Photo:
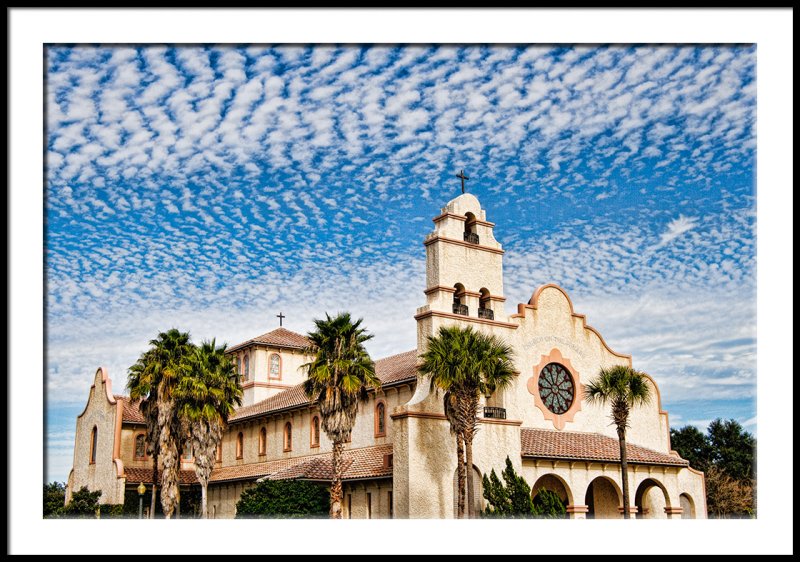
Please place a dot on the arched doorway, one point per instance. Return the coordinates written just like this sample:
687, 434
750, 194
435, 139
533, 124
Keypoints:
687, 503
603, 497
554, 484
651, 499
477, 486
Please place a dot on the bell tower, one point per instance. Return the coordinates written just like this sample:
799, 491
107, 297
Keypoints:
464, 264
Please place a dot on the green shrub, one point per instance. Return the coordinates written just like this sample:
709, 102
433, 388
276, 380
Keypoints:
53, 499
284, 498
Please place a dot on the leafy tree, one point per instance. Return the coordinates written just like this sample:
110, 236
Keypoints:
83, 504
53, 499
284, 498
692, 445
728, 497
153, 379
338, 377
206, 396
733, 448
467, 364
727, 456
624, 388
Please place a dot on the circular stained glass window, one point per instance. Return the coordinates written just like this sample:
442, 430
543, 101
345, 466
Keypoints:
556, 388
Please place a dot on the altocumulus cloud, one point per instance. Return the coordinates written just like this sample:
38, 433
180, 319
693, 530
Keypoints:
209, 188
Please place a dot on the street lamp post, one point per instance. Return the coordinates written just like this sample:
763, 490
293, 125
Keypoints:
141, 489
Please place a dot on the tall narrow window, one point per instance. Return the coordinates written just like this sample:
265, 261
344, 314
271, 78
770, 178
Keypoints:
219, 452
275, 366
187, 452
247, 366
240, 445
315, 431
262, 441
349, 505
391, 505
369, 505
287, 437
380, 419
93, 449
140, 448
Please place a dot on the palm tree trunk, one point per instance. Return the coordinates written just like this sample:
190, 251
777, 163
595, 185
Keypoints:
204, 501
470, 478
336, 481
153, 492
462, 474
623, 458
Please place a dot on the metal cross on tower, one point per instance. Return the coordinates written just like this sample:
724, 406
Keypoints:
463, 177
280, 318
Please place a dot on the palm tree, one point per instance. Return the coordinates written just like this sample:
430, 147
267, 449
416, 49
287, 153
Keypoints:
624, 388
140, 386
468, 364
338, 377
153, 379
451, 413
205, 398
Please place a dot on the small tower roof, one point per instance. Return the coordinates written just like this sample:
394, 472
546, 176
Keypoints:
279, 337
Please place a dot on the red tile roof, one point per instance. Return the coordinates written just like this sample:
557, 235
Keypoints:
367, 462
280, 337
552, 444
390, 370
130, 410
134, 475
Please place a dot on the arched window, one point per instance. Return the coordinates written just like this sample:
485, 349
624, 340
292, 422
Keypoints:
141, 449
315, 431
459, 307
93, 446
485, 306
470, 234
380, 419
262, 441
287, 437
240, 445
187, 452
275, 366
247, 366
219, 452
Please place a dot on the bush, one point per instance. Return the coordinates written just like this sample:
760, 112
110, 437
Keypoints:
284, 498
547, 505
513, 499
83, 505
54, 495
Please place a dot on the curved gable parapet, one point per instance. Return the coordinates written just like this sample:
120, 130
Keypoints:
463, 204
101, 379
533, 304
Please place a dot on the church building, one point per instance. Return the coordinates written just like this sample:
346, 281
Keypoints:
401, 459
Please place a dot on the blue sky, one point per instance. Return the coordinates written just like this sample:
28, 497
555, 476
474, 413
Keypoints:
210, 188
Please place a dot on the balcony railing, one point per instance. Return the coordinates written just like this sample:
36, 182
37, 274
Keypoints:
494, 413
472, 238
461, 309
487, 313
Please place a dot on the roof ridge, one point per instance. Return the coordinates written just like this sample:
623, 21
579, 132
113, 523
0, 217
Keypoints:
396, 355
